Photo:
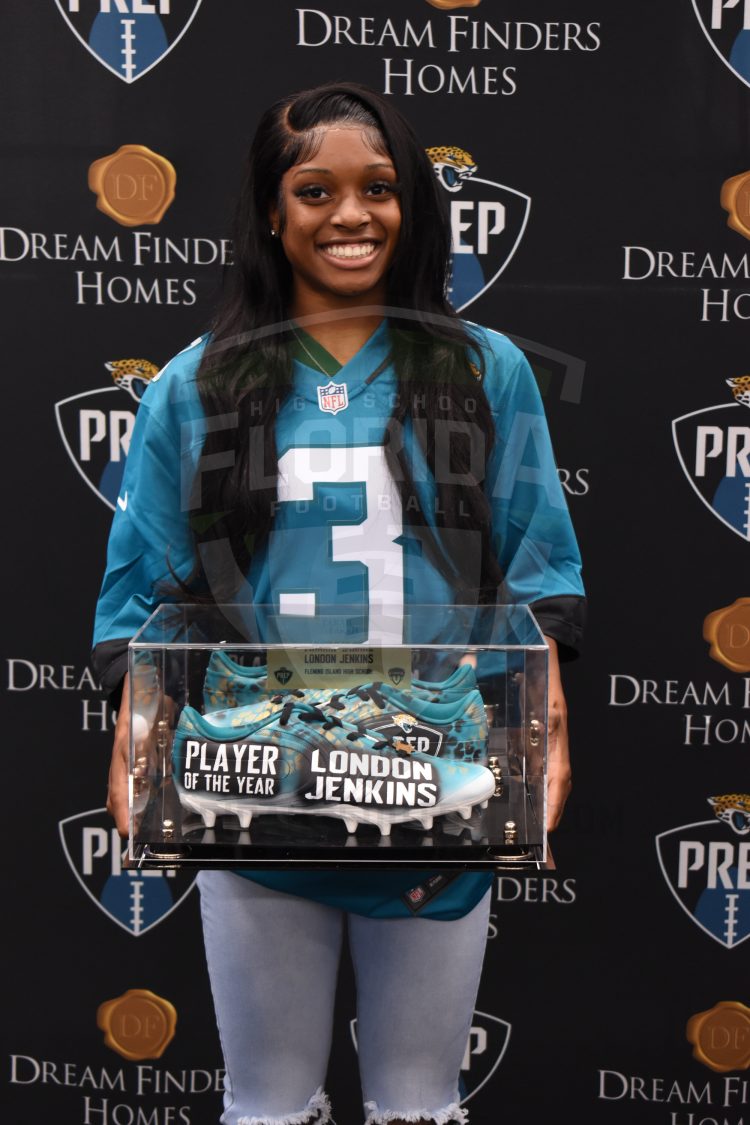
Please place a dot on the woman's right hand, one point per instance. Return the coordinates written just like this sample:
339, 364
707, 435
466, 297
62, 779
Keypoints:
117, 795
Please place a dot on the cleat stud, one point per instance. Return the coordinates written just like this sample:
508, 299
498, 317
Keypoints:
385, 828
426, 822
209, 818
465, 813
244, 819
351, 825
484, 804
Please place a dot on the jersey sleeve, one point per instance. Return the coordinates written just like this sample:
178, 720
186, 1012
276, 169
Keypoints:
531, 526
150, 540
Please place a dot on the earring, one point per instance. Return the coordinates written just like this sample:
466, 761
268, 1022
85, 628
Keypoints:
274, 232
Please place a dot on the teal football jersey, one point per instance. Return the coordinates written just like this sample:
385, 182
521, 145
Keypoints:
340, 539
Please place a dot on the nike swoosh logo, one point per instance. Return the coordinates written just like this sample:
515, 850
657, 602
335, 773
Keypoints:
122, 502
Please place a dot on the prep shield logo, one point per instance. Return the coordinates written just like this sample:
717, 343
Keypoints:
713, 446
96, 426
486, 1046
488, 221
407, 728
129, 37
707, 868
726, 25
135, 900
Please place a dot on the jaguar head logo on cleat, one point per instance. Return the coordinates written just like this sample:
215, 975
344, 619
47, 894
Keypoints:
396, 675
405, 722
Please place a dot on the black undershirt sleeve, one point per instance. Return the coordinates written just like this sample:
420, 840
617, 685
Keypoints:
110, 663
562, 618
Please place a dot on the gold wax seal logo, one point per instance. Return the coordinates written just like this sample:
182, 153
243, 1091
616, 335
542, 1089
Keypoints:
727, 631
721, 1036
134, 185
138, 1025
735, 198
447, 4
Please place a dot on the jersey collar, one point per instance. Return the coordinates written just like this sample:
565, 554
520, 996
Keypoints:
355, 373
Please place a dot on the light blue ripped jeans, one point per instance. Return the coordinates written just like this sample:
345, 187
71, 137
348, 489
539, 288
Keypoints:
273, 961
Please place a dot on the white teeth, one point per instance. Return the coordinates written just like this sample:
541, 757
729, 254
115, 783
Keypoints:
350, 250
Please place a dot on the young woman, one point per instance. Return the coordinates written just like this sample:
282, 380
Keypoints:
342, 252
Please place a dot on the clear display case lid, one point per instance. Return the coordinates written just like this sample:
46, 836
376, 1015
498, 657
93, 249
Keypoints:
505, 627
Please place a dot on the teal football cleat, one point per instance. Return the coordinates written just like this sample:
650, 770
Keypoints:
456, 729
303, 760
231, 684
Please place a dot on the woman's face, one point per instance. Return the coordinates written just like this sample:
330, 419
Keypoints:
342, 221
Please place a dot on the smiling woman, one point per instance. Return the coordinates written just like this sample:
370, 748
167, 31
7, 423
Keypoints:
338, 216
314, 428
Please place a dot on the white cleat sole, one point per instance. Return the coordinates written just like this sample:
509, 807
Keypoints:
475, 793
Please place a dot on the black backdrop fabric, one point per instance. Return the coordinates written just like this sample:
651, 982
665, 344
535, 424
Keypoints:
596, 230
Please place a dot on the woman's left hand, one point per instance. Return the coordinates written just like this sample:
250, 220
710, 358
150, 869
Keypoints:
559, 777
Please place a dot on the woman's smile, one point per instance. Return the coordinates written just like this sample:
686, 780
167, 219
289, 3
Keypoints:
350, 252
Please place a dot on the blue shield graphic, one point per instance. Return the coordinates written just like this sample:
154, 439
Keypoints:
701, 864
726, 25
713, 447
488, 221
135, 900
95, 427
128, 37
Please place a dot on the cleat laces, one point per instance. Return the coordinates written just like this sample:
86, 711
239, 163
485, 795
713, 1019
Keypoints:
308, 713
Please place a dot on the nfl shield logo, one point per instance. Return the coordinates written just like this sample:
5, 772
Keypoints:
726, 25
703, 866
713, 446
128, 37
333, 397
134, 900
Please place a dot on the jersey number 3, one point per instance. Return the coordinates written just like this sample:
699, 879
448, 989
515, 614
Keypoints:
361, 524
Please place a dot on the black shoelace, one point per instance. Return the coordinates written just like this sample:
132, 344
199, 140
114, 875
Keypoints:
308, 713
371, 693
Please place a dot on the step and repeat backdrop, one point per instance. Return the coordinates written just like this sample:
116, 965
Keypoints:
596, 159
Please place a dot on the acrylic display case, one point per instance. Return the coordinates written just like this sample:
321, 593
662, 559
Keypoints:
414, 736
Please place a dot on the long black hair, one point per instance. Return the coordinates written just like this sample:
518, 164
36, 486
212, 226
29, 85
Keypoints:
246, 372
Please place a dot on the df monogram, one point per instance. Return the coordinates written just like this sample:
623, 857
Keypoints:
138, 1025
134, 185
